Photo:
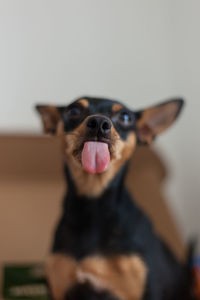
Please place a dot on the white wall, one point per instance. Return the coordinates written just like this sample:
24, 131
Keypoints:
58, 50
139, 51
183, 149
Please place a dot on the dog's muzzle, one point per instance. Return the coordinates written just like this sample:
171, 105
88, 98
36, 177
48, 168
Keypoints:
95, 154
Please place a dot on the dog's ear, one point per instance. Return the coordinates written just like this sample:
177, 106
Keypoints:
50, 116
156, 119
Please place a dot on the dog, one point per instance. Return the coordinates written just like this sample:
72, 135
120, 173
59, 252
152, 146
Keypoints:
105, 247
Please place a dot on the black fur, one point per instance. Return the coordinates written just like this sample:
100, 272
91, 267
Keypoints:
113, 224
87, 292
100, 106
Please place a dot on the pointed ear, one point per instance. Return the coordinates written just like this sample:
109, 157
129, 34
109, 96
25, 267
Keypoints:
50, 116
155, 120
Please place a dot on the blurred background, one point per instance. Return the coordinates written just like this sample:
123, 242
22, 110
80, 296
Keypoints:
139, 52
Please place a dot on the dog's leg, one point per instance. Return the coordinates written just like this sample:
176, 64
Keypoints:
123, 276
61, 274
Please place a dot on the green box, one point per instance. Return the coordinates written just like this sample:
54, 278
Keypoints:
24, 282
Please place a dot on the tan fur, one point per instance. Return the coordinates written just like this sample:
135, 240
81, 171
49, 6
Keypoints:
116, 107
92, 185
83, 102
50, 117
124, 276
156, 120
61, 274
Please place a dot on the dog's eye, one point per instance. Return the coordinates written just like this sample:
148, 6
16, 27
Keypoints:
125, 119
74, 112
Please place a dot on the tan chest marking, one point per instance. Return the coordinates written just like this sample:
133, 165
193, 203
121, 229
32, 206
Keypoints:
123, 276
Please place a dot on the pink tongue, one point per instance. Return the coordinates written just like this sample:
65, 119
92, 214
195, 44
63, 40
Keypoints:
95, 157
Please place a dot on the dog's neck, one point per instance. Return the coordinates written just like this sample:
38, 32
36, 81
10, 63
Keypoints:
88, 223
112, 191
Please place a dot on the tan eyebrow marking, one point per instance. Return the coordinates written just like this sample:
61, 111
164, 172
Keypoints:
83, 102
116, 107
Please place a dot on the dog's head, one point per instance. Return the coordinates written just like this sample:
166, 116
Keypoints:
99, 135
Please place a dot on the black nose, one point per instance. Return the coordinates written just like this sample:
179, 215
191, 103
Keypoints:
98, 125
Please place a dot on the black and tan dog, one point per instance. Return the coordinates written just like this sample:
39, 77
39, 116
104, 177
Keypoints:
104, 246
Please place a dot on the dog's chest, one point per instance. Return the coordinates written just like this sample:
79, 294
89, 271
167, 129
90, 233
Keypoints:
99, 229
98, 244
122, 276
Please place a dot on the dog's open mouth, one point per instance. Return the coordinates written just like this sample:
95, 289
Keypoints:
95, 156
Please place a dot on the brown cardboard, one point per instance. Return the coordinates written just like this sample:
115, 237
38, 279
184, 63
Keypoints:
32, 186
